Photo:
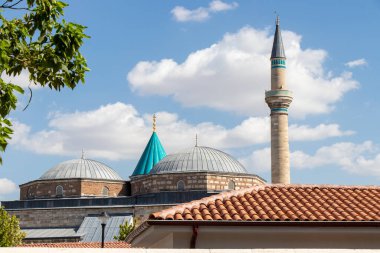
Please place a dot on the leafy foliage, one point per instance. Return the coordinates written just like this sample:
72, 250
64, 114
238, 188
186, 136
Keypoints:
125, 230
42, 43
10, 232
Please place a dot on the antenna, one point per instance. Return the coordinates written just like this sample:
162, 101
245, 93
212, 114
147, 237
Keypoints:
82, 157
154, 122
196, 140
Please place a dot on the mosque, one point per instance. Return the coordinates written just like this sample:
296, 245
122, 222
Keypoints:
197, 170
235, 209
62, 205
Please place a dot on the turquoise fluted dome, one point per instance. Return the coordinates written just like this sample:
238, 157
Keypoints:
153, 153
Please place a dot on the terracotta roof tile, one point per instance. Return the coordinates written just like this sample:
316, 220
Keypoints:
283, 203
78, 245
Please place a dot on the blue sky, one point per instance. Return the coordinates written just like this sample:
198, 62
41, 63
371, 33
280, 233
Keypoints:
203, 67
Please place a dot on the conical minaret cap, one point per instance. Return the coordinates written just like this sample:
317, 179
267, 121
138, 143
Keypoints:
278, 48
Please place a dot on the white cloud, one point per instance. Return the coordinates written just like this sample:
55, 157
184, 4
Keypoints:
258, 161
20, 80
362, 158
117, 131
356, 63
233, 74
322, 131
217, 5
183, 14
7, 186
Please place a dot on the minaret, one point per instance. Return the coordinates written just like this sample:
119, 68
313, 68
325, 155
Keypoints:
278, 100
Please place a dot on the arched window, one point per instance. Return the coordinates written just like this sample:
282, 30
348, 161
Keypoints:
231, 185
105, 191
29, 194
142, 189
59, 191
180, 185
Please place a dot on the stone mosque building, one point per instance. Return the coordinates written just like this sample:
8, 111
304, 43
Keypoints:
63, 204
198, 169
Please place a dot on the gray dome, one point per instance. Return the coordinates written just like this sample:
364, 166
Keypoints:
199, 159
81, 168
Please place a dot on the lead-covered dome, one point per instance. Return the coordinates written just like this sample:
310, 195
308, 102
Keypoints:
81, 168
199, 159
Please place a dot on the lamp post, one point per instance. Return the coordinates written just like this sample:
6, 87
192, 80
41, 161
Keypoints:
104, 217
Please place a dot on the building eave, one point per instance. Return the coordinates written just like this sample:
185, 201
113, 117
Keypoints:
151, 223
265, 223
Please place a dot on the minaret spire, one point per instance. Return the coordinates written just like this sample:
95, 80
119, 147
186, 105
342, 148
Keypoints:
278, 47
278, 100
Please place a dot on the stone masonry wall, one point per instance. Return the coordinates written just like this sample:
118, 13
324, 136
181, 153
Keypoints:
95, 188
73, 217
167, 182
192, 181
47, 189
221, 182
280, 149
61, 217
71, 188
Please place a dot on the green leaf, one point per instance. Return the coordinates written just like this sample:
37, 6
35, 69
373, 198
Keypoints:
10, 232
44, 43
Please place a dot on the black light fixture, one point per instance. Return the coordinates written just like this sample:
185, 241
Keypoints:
103, 217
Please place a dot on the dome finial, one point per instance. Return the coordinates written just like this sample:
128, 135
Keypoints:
154, 122
82, 157
196, 140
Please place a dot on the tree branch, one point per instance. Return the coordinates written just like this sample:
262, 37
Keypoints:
12, 6
30, 98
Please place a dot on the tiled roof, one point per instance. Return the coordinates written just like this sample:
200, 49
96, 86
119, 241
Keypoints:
282, 203
78, 245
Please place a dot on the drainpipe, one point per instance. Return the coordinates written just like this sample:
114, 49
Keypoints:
194, 237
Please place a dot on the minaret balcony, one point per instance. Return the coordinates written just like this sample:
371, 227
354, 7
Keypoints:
278, 93
278, 98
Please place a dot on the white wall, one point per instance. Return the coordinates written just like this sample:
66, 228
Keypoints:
92, 250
